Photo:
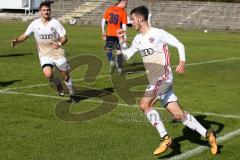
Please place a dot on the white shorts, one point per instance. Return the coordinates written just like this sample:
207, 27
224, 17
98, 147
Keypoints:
163, 92
60, 63
168, 97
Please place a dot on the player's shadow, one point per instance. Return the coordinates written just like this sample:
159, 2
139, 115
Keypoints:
7, 83
193, 136
15, 55
83, 94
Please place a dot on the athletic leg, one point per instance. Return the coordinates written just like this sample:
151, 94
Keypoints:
119, 62
146, 105
67, 81
110, 45
190, 121
47, 68
64, 68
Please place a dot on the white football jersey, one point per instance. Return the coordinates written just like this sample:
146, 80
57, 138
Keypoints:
155, 54
45, 34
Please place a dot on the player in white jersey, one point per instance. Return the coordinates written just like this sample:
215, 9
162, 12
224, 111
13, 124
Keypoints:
50, 36
152, 44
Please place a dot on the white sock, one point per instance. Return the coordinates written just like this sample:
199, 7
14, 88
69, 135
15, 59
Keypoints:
119, 69
193, 124
154, 118
69, 86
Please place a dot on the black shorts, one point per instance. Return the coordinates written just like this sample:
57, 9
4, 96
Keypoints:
112, 43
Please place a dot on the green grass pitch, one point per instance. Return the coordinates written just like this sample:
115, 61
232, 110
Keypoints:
31, 129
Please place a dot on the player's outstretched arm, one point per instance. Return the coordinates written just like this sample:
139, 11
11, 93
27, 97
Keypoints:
171, 40
19, 39
127, 52
181, 67
181, 51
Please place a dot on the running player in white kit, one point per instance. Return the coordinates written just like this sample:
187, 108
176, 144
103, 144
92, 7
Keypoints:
50, 36
152, 45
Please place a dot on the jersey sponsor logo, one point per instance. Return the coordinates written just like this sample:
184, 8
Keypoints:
147, 52
46, 36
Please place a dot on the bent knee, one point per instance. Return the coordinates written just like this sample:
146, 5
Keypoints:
144, 106
178, 116
48, 74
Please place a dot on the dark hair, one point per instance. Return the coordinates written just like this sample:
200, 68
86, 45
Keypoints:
45, 3
142, 11
120, 1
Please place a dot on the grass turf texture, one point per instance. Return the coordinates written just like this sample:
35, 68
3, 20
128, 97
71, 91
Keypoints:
31, 130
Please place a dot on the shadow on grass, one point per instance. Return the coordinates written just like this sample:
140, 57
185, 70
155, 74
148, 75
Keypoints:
108, 102
193, 137
92, 93
7, 83
134, 67
15, 55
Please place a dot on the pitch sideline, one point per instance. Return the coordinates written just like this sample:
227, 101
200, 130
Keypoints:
201, 149
101, 76
121, 104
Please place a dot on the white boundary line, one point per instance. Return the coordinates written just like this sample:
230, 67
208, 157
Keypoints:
7, 90
218, 115
101, 76
120, 104
185, 155
201, 149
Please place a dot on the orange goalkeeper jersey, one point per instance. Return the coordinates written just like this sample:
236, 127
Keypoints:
115, 16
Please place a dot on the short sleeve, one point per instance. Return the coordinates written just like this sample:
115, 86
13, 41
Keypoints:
60, 29
29, 30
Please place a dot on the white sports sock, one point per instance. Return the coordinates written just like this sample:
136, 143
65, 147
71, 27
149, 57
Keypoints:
69, 86
154, 118
193, 124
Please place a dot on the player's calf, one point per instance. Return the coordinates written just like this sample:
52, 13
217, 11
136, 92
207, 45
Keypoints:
112, 67
119, 62
60, 90
56, 81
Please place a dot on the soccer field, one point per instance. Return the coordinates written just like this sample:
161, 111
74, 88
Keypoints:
106, 123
